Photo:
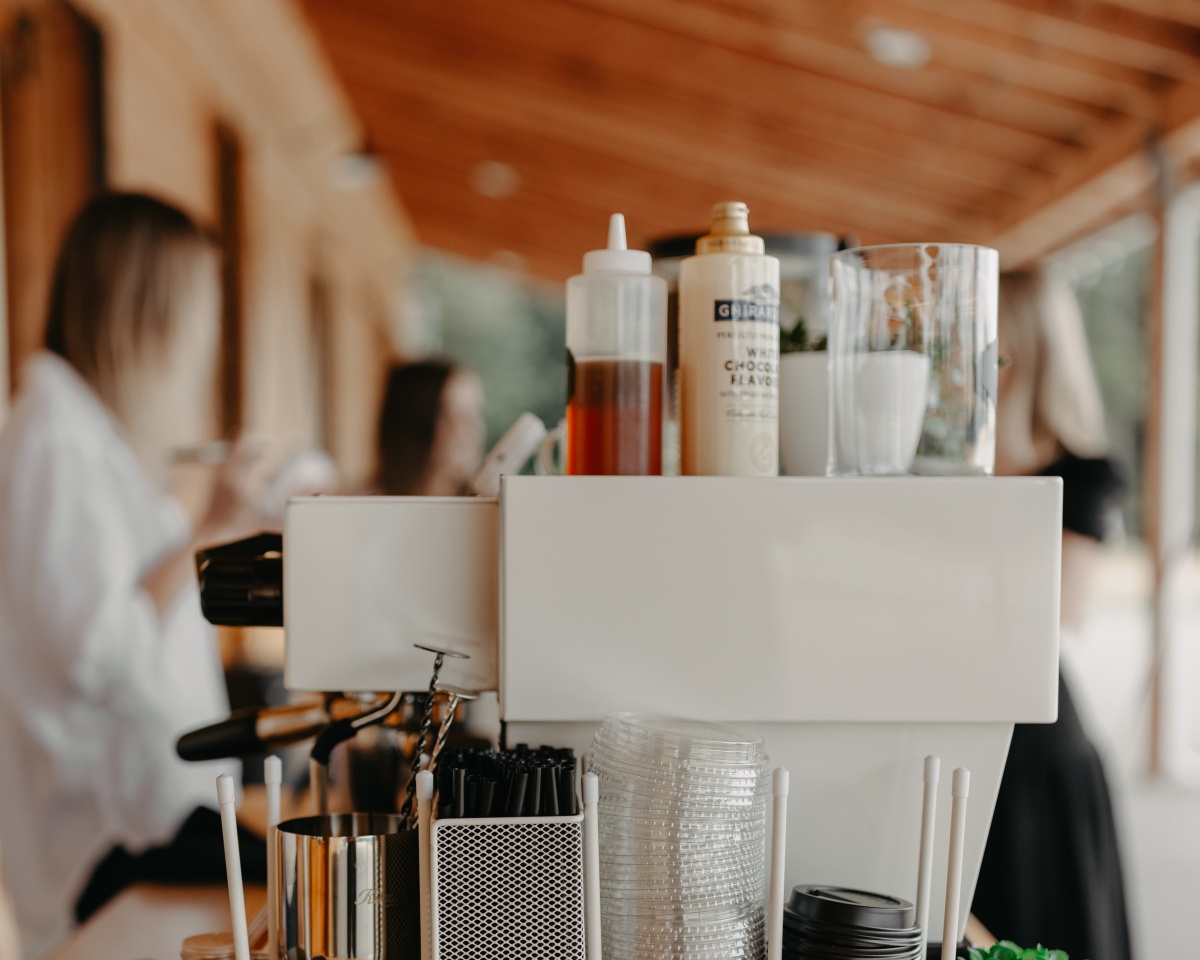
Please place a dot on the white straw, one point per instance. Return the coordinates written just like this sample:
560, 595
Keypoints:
233, 867
925, 866
273, 777
591, 863
425, 855
958, 827
779, 783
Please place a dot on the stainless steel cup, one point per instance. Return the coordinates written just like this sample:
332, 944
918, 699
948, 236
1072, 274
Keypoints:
348, 888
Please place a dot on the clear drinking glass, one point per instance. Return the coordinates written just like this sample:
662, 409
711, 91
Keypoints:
912, 360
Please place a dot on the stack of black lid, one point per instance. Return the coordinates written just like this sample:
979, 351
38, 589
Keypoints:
834, 923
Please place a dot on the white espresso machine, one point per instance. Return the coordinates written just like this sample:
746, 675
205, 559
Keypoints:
856, 624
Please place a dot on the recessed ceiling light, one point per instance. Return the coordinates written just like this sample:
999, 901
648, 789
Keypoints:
355, 171
894, 47
495, 179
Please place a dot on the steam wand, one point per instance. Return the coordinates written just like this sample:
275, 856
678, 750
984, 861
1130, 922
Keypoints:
339, 732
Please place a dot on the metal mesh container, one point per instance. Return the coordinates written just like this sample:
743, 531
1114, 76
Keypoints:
508, 888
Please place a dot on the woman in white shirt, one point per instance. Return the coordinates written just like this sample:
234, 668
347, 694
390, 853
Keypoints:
104, 656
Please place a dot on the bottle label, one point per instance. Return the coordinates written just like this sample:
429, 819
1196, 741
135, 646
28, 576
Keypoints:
753, 311
729, 363
747, 335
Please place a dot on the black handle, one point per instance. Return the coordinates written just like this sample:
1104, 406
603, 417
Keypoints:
337, 732
235, 737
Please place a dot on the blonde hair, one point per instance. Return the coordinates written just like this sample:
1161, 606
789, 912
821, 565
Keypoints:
128, 264
1051, 402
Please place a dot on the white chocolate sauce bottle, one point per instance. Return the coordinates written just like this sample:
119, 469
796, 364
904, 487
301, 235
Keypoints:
729, 352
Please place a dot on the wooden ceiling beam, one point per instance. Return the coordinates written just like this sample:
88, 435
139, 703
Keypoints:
657, 141
661, 107
1005, 57
583, 52
685, 118
1081, 195
532, 214
678, 160
552, 237
917, 155
781, 151
828, 111
804, 41
1090, 27
994, 64
1086, 197
663, 201
458, 58
1183, 11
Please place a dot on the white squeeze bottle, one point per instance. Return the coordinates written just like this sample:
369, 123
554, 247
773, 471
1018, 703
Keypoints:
729, 352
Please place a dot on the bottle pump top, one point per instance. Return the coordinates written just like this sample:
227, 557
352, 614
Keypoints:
617, 258
730, 232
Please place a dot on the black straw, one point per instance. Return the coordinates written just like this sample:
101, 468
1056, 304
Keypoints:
516, 794
550, 791
472, 802
566, 787
460, 792
487, 790
533, 796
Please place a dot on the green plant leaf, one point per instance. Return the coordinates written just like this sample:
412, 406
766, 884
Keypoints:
797, 339
1007, 950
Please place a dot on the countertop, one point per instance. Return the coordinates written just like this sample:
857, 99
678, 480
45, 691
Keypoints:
150, 922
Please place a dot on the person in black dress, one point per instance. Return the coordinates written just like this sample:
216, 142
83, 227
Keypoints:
1051, 871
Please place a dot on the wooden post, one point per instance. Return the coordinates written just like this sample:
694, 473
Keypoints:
51, 107
5, 378
1170, 439
1151, 475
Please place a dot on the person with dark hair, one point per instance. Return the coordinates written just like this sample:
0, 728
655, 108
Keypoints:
429, 443
1051, 871
104, 656
431, 430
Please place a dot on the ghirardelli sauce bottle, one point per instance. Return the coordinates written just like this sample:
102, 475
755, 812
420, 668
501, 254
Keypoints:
729, 352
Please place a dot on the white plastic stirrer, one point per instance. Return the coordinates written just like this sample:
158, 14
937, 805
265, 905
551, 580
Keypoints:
779, 783
925, 866
273, 778
233, 867
425, 859
591, 863
958, 829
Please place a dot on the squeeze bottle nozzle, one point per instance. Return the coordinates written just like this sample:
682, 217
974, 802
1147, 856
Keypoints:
616, 232
616, 258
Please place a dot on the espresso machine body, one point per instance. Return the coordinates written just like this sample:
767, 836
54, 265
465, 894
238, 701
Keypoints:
858, 625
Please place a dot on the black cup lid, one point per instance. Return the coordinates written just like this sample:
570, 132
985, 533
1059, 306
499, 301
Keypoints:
819, 929
853, 908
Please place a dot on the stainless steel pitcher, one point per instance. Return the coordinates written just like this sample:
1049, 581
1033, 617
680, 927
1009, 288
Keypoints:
348, 888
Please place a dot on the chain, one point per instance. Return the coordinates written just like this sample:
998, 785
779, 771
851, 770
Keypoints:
406, 812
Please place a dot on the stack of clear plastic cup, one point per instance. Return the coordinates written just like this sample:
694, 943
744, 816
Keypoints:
683, 824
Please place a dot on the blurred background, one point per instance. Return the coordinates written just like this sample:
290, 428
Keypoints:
391, 179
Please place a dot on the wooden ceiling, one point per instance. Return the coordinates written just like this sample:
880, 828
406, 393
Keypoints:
658, 108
